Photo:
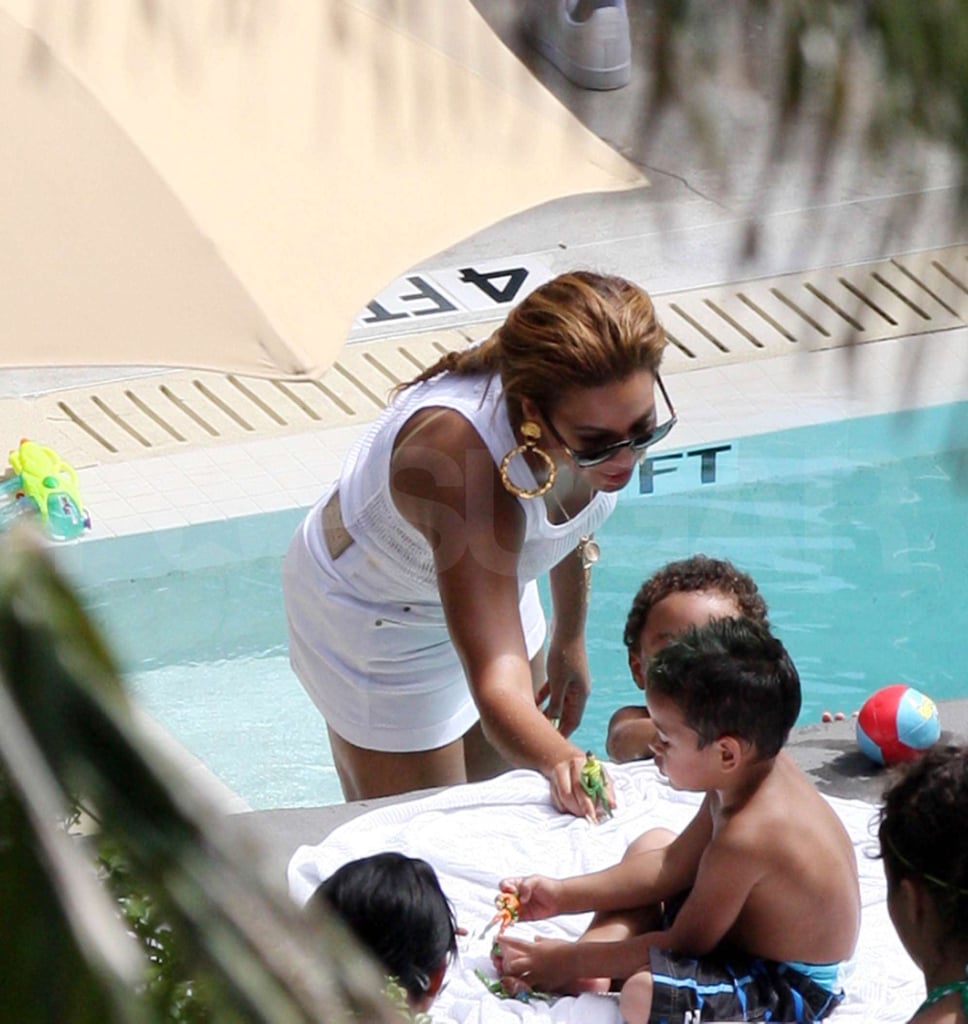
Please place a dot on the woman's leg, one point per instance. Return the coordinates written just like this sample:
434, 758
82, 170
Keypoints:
364, 774
481, 760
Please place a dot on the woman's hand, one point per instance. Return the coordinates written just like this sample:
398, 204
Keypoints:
538, 896
568, 794
568, 686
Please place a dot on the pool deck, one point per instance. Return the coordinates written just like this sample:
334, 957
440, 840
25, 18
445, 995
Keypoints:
683, 239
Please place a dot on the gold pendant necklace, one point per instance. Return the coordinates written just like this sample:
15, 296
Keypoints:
588, 550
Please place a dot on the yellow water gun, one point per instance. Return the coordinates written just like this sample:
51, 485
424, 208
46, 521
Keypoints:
44, 484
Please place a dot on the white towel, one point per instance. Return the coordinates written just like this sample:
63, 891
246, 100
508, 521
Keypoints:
475, 835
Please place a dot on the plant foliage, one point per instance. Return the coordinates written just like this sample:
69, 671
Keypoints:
889, 77
219, 941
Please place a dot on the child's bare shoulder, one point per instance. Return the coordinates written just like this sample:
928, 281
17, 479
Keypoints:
796, 794
785, 803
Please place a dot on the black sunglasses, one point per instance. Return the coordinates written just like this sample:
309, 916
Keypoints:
596, 456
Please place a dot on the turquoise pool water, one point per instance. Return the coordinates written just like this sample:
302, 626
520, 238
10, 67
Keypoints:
854, 532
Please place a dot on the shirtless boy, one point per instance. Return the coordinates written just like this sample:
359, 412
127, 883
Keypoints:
748, 913
681, 594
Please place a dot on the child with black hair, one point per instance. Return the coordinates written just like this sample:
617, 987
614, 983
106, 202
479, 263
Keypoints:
748, 913
922, 841
394, 905
681, 594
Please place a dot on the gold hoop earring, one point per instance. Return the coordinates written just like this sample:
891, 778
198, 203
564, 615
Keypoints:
531, 433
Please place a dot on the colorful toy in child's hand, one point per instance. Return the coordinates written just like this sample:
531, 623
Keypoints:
511, 988
594, 781
45, 485
508, 907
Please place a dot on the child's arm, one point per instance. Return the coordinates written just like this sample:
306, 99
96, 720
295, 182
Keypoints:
638, 880
726, 874
729, 868
553, 965
631, 732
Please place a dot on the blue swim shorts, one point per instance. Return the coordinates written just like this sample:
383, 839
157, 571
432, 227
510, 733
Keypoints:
728, 985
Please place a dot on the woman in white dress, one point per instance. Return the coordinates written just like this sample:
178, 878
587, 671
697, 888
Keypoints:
414, 618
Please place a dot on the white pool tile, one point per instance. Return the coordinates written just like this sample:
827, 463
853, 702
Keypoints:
164, 519
136, 485
105, 502
196, 460
325, 468
273, 502
165, 471
224, 490
205, 512
124, 526
304, 497
146, 502
269, 451
310, 444
260, 483
101, 529
292, 475
238, 460
198, 506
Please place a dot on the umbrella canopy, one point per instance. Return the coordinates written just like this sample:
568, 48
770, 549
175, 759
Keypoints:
224, 185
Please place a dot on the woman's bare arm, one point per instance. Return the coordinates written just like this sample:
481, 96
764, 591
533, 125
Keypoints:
569, 679
445, 483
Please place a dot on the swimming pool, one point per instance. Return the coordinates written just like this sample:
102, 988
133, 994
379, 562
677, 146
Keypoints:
853, 530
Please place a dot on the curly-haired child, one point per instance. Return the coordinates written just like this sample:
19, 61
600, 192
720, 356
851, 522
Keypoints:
681, 594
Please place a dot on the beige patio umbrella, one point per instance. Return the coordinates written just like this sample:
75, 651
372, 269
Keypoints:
224, 184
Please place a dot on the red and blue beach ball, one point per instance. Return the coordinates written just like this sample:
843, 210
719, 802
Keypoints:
897, 723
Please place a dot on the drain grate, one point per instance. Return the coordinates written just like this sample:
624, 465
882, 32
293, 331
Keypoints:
817, 310
118, 420
908, 295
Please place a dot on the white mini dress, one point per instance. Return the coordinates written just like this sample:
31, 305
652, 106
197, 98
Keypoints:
367, 635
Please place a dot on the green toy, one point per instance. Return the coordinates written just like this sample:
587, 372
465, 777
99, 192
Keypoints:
523, 994
594, 781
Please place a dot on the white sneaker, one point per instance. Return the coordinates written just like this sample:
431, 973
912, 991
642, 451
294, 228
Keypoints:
595, 53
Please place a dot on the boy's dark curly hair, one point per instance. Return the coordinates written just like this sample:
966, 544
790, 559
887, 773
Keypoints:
921, 832
698, 573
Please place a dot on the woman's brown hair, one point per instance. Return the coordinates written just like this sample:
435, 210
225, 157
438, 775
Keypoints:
580, 329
